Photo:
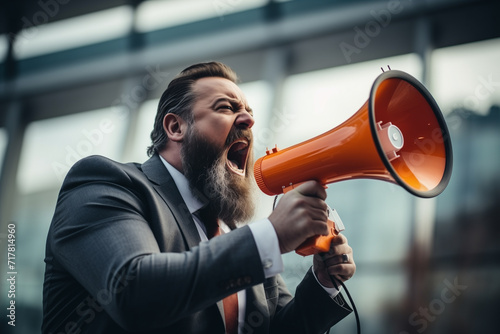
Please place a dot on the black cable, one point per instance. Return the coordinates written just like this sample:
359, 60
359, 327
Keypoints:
356, 315
274, 202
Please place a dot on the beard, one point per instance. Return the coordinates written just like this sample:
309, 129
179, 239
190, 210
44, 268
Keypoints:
230, 196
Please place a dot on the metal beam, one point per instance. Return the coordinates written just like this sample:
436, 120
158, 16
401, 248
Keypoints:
15, 128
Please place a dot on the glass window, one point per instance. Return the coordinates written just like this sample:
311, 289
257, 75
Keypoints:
467, 76
32, 217
144, 126
466, 80
158, 14
82, 30
3, 146
4, 45
52, 146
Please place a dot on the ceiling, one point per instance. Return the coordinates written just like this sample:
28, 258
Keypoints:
308, 32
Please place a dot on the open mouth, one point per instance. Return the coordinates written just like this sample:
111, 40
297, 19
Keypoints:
237, 155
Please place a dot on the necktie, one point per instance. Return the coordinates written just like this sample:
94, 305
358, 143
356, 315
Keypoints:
231, 313
230, 303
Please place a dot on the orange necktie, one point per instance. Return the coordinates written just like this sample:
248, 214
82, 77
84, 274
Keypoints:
230, 307
230, 303
231, 313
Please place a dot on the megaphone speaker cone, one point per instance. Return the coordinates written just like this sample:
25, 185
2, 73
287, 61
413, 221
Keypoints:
424, 162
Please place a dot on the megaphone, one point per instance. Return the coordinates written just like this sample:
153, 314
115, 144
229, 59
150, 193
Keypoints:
399, 135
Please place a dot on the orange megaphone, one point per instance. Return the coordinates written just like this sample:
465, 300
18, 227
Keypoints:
399, 135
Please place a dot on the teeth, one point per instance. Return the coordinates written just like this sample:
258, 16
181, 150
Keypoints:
240, 146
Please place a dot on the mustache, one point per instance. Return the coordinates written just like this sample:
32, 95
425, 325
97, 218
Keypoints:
238, 134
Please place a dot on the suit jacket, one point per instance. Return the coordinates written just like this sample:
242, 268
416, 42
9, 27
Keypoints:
123, 255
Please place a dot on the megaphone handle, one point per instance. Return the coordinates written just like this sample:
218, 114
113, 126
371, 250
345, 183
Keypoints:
319, 243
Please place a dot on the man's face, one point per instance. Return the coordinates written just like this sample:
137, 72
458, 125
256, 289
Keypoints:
217, 149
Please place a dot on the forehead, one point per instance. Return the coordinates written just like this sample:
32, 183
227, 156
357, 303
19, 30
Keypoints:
212, 87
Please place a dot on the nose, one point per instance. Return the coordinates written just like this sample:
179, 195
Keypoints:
244, 120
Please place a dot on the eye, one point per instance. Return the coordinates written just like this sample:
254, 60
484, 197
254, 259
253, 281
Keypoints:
226, 106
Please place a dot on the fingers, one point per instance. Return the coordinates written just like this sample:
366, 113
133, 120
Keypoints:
338, 246
312, 195
341, 259
340, 239
343, 272
300, 214
338, 261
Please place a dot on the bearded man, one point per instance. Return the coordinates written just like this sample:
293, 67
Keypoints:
162, 247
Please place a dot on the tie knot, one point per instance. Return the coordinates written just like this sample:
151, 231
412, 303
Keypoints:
209, 220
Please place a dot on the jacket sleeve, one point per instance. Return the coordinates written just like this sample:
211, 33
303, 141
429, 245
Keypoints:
312, 310
101, 235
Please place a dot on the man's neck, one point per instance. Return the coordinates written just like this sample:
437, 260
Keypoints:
173, 158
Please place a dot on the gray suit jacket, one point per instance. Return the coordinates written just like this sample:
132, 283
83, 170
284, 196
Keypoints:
124, 255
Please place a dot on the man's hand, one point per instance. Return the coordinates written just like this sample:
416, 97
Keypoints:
337, 262
301, 213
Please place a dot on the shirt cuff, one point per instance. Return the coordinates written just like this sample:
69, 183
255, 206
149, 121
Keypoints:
333, 292
268, 246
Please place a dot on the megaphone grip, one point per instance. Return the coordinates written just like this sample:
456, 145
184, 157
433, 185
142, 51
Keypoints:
319, 243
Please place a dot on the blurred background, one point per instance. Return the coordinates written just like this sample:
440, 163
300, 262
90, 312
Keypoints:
83, 77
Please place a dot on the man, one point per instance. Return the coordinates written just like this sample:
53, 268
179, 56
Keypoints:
139, 248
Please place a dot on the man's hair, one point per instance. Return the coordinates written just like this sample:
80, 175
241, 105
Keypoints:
178, 98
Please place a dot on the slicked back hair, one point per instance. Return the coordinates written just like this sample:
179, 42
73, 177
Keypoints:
178, 98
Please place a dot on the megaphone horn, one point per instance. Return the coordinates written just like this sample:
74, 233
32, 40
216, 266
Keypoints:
399, 135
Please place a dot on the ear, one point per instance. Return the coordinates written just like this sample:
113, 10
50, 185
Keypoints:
174, 126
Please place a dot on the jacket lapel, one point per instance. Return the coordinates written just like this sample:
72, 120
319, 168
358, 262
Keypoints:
165, 186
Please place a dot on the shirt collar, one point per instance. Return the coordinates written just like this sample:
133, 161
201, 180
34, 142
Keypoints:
192, 202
